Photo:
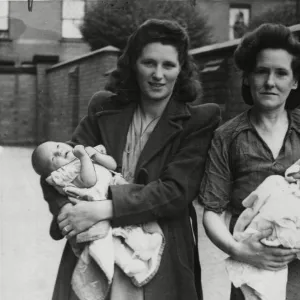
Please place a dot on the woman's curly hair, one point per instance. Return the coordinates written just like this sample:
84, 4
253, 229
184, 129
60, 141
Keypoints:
268, 36
166, 32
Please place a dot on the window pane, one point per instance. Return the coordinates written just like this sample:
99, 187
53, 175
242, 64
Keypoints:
3, 8
238, 21
73, 9
238, 13
3, 23
70, 29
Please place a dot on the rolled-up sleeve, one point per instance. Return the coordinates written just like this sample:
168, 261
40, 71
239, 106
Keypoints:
215, 187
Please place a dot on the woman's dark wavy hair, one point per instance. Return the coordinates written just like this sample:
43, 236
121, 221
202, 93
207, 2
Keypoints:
268, 36
166, 32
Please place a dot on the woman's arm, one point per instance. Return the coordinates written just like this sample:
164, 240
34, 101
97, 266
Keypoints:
250, 250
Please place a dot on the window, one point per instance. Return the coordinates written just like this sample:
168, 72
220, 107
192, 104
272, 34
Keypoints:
72, 15
239, 16
4, 14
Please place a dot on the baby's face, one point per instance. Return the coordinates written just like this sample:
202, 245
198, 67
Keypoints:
56, 155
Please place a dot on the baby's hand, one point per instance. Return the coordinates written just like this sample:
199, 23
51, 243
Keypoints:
79, 151
118, 179
293, 172
90, 151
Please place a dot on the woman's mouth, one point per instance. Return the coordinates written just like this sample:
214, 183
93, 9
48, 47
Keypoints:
268, 93
156, 85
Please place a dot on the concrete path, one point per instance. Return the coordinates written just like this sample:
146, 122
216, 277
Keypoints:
30, 258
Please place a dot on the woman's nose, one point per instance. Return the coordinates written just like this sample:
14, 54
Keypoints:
158, 73
270, 82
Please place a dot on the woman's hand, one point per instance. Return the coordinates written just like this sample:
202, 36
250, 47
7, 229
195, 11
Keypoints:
82, 215
253, 252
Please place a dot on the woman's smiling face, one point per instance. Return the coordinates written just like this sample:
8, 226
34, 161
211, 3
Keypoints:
272, 79
157, 69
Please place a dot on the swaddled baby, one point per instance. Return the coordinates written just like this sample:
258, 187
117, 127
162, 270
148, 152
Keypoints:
135, 249
275, 205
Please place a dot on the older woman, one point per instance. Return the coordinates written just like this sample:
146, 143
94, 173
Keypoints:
160, 143
263, 141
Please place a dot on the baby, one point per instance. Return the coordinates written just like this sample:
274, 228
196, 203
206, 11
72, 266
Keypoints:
275, 205
135, 249
65, 166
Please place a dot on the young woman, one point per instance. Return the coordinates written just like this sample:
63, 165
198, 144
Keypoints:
160, 143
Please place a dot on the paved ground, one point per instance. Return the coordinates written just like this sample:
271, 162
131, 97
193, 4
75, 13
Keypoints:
29, 257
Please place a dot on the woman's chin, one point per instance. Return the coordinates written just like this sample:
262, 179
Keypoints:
157, 96
269, 105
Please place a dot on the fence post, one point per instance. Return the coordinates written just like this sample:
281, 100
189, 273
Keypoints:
73, 94
42, 62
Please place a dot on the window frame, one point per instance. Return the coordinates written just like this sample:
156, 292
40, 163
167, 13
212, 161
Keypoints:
238, 6
65, 38
4, 33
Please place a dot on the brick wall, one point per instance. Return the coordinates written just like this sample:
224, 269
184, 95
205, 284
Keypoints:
43, 102
215, 68
71, 86
17, 105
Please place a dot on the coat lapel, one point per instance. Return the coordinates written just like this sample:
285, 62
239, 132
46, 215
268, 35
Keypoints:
114, 125
166, 129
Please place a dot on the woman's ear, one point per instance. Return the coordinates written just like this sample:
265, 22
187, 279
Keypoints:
295, 84
246, 81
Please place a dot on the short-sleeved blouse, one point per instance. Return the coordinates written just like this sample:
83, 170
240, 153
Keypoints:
239, 160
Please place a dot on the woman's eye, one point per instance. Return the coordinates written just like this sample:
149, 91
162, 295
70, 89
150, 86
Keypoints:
281, 73
169, 65
148, 63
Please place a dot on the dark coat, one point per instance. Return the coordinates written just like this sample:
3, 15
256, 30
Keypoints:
167, 177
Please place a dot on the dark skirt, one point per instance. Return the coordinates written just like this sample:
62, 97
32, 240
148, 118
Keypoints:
63, 289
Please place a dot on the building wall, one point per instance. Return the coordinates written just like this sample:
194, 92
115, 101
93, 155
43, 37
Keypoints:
217, 12
221, 81
70, 87
39, 32
45, 101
